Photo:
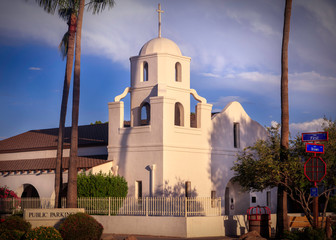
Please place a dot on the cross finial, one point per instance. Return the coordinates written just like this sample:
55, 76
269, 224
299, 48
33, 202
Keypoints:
159, 11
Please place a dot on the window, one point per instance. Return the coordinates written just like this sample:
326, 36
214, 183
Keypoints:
268, 198
178, 72
138, 189
254, 199
145, 114
236, 135
188, 189
179, 114
145, 71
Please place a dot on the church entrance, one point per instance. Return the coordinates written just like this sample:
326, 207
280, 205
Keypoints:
237, 201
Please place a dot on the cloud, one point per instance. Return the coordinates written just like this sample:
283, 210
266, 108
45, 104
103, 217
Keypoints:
212, 75
311, 126
323, 11
35, 69
223, 101
312, 82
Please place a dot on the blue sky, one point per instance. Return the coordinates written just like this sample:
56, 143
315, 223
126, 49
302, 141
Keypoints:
235, 48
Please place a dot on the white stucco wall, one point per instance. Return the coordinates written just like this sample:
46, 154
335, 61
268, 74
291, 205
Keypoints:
224, 154
86, 151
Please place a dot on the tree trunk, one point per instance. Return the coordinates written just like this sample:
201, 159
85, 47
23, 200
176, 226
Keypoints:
61, 129
72, 174
282, 219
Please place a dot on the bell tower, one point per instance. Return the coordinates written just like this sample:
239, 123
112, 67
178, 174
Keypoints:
160, 144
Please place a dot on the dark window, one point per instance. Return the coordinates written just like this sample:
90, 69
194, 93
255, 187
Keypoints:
178, 72
268, 198
179, 114
254, 199
188, 189
145, 114
236, 135
145, 71
139, 189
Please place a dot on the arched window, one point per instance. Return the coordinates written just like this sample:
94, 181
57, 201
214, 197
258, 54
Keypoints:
179, 114
178, 72
145, 114
145, 71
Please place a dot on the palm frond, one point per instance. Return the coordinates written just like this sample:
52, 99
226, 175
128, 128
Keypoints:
63, 46
48, 5
97, 6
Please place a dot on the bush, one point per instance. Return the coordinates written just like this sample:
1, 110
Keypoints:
16, 223
43, 233
307, 233
332, 205
101, 185
11, 234
81, 226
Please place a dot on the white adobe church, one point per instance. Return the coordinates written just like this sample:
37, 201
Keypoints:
164, 151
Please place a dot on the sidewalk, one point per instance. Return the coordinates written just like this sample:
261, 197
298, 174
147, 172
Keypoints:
107, 236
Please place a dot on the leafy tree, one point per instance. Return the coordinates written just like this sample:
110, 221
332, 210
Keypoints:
258, 167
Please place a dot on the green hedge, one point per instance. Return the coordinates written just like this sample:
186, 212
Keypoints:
101, 185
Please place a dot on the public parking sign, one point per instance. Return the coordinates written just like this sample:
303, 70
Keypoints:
314, 148
315, 136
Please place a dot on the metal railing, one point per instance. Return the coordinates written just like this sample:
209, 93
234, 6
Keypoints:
128, 206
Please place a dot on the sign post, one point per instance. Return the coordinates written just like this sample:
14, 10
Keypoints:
315, 168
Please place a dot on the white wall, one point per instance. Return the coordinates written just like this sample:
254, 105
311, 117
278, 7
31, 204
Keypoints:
163, 226
87, 151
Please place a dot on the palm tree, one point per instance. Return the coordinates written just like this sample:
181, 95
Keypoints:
282, 221
96, 6
67, 47
66, 10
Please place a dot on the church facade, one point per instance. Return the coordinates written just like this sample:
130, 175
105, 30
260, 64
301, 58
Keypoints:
169, 149
166, 149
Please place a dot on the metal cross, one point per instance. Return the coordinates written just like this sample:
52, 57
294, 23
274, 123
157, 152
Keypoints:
159, 11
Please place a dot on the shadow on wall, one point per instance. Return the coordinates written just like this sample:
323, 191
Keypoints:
235, 225
177, 190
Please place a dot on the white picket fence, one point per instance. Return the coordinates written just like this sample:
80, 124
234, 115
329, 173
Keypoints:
128, 206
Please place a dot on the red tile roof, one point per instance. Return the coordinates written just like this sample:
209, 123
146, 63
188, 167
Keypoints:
49, 163
45, 139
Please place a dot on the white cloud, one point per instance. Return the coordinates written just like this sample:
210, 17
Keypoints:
323, 11
211, 75
312, 82
311, 126
252, 19
274, 123
223, 101
35, 69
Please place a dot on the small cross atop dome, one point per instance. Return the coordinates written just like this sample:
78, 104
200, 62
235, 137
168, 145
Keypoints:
159, 13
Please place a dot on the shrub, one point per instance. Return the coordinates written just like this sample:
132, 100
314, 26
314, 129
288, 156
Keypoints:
5, 192
43, 233
307, 233
81, 226
332, 205
101, 185
9, 199
16, 223
11, 234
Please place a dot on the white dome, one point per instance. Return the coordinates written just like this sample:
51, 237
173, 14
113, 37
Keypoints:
160, 45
